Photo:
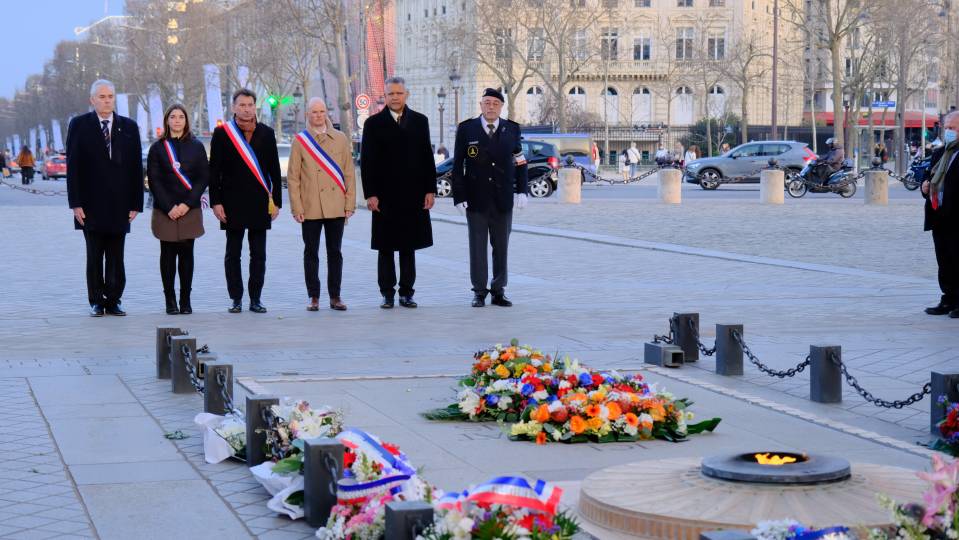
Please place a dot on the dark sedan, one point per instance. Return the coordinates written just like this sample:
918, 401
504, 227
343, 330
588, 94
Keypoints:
543, 162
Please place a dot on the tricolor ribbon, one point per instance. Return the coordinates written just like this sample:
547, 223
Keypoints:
935, 197
249, 157
175, 163
514, 491
360, 441
322, 159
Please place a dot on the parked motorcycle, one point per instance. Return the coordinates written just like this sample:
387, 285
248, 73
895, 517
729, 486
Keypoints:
842, 181
919, 171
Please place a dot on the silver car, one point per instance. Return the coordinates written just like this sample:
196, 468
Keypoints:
742, 164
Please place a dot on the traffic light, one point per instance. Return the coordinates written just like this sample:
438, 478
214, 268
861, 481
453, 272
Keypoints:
272, 101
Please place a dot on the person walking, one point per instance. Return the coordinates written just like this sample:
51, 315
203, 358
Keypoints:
623, 165
322, 188
489, 179
246, 194
105, 192
179, 172
633, 157
399, 181
942, 216
26, 162
691, 155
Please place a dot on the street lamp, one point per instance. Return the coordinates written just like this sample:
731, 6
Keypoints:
441, 98
455, 85
297, 95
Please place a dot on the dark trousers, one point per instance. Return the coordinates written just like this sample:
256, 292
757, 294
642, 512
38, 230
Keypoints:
231, 262
947, 257
386, 272
492, 227
106, 276
176, 256
334, 257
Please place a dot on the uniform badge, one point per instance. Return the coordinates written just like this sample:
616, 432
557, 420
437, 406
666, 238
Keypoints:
472, 151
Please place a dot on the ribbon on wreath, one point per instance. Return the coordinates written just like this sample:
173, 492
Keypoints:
516, 491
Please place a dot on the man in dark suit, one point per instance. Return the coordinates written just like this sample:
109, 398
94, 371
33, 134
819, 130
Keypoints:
943, 217
105, 191
489, 178
246, 193
399, 182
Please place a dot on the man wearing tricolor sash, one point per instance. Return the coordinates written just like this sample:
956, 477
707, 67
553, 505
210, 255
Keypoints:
322, 196
245, 193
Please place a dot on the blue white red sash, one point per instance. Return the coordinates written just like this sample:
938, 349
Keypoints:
322, 158
249, 157
175, 163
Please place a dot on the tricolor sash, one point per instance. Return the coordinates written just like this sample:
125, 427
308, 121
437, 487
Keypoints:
249, 157
175, 163
322, 158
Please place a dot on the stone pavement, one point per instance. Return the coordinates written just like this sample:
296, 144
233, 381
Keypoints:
593, 281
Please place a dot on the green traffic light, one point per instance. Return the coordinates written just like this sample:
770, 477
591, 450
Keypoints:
272, 101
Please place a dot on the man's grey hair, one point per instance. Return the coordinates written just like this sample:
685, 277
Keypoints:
101, 82
950, 117
395, 80
316, 99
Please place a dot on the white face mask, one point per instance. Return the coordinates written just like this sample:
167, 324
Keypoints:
949, 135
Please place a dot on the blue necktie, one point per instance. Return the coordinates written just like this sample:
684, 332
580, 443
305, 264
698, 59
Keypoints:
106, 134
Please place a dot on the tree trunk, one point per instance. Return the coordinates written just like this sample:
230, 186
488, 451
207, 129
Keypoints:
839, 118
343, 82
744, 118
709, 124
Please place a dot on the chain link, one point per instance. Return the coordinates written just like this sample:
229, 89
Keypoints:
926, 389
272, 437
589, 177
34, 191
191, 371
791, 372
225, 396
695, 332
669, 338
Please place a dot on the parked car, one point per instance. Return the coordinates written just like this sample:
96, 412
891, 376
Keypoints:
542, 158
54, 167
578, 145
744, 162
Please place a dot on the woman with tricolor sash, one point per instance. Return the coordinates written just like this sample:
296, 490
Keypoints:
177, 171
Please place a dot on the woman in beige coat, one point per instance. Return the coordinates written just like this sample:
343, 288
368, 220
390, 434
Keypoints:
322, 186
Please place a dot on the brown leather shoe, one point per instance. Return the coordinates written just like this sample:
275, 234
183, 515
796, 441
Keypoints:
337, 304
314, 304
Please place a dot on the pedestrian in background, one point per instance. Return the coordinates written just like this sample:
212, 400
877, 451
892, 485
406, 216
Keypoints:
179, 172
105, 191
691, 155
594, 154
26, 163
724, 148
623, 165
322, 187
633, 156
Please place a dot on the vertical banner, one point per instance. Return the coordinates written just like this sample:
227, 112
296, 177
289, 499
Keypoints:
214, 104
43, 138
143, 122
57, 136
123, 105
32, 143
243, 75
156, 112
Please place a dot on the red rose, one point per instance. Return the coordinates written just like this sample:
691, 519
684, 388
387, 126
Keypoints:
597, 379
559, 415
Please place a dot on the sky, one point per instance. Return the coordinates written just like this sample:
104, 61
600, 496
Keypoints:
29, 29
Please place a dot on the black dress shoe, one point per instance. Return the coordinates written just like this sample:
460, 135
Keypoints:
237, 307
941, 309
500, 300
387, 302
407, 301
257, 307
479, 300
115, 311
96, 310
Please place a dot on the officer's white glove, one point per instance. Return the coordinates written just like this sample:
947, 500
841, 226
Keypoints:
519, 201
461, 207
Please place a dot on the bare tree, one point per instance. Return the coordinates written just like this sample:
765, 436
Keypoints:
670, 61
747, 65
709, 54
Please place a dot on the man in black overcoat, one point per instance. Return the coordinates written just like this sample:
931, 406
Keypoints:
105, 191
489, 177
240, 201
399, 182
944, 220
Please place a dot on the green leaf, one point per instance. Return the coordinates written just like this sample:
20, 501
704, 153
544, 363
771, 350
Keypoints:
705, 425
622, 437
295, 498
449, 413
512, 418
514, 342
290, 465
176, 435
468, 381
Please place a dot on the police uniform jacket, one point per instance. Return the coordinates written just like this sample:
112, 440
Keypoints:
488, 171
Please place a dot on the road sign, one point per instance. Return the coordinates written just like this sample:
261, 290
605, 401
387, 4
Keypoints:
883, 104
363, 101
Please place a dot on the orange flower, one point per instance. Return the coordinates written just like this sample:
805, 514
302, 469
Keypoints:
592, 410
598, 396
632, 419
595, 423
541, 414
578, 396
614, 410
529, 370
507, 355
577, 424
657, 411
541, 437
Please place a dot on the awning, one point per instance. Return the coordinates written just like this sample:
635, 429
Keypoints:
913, 119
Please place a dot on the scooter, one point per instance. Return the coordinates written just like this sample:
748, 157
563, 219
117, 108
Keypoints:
918, 172
842, 181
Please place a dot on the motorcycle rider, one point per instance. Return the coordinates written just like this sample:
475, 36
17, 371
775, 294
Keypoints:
831, 162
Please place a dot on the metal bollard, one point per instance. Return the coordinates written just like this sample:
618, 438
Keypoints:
179, 375
322, 467
943, 384
407, 519
825, 378
686, 338
663, 354
163, 350
213, 391
254, 421
200, 362
726, 535
729, 355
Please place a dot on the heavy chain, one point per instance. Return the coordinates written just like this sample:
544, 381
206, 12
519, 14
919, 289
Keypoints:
926, 389
791, 372
272, 437
695, 332
34, 191
205, 349
448, 176
669, 338
743, 177
589, 177
191, 371
225, 396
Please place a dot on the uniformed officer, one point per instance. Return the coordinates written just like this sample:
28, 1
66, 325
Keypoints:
489, 178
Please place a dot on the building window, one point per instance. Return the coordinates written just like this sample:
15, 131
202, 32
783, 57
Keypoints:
426, 13
684, 3
536, 45
610, 4
716, 46
502, 36
642, 48
579, 44
684, 43
609, 44
717, 3
642, 3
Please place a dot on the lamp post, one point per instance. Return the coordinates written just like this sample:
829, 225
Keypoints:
455, 85
774, 114
297, 95
441, 98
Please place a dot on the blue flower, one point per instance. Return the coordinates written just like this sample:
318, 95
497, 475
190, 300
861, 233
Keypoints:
527, 389
551, 398
531, 402
585, 379
492, 400
942, 399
